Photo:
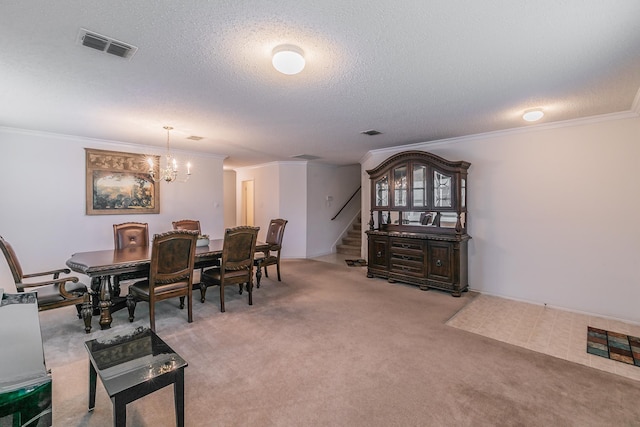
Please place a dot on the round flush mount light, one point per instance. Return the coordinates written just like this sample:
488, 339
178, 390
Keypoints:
532, 115
288, 59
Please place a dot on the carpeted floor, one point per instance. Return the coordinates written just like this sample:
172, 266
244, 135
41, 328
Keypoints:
329, 347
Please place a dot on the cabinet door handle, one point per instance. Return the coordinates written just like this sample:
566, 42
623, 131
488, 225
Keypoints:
438, 263
379, 254
406, 257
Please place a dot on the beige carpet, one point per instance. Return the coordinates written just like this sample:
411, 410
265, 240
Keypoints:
329, 347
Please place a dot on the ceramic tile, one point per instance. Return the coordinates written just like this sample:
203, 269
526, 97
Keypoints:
551, 331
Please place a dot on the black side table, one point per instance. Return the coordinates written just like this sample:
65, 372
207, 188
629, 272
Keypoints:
132, 366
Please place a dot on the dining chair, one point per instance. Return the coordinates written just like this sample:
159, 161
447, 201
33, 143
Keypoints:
187, 224
170, 273
236, 264
271, 256
128, 235
53, 291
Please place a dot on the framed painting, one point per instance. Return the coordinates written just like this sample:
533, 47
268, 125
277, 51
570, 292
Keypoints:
119, 183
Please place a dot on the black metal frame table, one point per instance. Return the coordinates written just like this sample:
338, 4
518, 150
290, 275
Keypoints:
132, 366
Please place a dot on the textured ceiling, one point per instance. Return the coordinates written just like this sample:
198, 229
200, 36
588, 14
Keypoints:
415, 70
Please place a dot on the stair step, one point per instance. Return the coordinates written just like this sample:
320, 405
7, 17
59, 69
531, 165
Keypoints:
352, 241
348, 250
354, 233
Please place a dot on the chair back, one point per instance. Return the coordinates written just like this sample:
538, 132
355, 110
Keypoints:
275, 233
12, 260
130, 234
187, 224
172, 258
238, 248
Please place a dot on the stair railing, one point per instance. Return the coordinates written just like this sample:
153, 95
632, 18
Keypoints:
346, 203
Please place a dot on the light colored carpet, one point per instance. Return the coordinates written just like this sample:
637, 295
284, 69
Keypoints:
329, 347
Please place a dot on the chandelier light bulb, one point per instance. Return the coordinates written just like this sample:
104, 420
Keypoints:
288, 59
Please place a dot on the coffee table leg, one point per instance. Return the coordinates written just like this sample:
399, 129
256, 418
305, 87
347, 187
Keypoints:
119, 411
92, 386
178, 393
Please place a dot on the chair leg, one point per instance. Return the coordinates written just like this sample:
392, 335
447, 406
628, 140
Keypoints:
258, 274
131, 306
189, 308
240, 289
203, 291
152, 315
278, 268
250, 291
222, 297
266, 272
181, 303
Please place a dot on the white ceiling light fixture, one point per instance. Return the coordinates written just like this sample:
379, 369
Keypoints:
533, 115
288, 59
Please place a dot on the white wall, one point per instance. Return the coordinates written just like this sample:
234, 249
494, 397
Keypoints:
339, 183
280, 192
229, 191
296, 191
552, 213
43, 199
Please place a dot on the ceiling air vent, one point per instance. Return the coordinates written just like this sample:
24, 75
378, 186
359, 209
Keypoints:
105, 44
371, 132
305, 157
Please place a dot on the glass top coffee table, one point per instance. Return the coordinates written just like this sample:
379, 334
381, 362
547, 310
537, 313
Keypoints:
132, 366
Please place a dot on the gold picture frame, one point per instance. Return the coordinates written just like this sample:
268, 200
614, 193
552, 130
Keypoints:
119, 183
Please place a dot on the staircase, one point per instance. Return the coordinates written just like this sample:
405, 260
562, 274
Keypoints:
352, 242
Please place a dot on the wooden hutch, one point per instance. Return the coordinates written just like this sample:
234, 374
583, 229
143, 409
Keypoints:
418, 223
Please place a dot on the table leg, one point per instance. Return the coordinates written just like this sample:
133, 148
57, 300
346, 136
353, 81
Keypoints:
178, 392
105, 303
92, 386
119, 411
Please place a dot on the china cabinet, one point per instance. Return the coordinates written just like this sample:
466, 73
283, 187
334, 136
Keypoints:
418, 221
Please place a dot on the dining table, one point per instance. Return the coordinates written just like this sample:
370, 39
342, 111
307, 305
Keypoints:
101, 265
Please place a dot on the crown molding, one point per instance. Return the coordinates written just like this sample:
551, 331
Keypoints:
147, 149
633, 113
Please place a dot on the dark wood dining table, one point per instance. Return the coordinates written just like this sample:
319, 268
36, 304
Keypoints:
101, 265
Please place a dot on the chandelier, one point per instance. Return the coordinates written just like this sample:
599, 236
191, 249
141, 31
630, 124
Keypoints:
170, 171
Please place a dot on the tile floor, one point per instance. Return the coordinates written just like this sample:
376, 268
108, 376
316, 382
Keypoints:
551, 331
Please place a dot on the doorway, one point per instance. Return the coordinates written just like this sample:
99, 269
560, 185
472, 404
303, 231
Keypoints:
247, 203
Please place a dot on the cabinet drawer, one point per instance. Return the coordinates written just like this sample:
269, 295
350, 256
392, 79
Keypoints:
406, 245
407, 267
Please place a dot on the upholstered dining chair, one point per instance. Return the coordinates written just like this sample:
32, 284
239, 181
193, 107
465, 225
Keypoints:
271, 256
53, 291
236, 264
170, 273
187, 224
128, 235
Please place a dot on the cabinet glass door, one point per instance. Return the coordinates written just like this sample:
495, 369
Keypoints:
400, 186
463, 193
382, 191
419, 190
441, 190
